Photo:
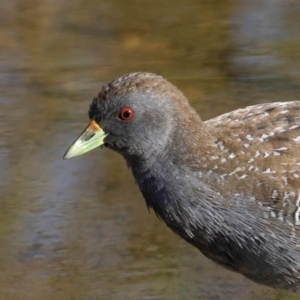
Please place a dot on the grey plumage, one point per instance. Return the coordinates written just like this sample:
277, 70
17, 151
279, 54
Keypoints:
229, 186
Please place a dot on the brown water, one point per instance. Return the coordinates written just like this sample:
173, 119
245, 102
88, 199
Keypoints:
79, 229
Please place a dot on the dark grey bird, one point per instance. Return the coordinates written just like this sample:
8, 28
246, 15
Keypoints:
230, 186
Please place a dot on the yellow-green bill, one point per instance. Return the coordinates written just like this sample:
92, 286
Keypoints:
92, 137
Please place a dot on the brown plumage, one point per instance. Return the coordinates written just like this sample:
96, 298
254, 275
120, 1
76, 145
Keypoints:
230, 186
257, 153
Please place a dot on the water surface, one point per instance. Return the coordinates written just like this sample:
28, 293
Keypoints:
79, 229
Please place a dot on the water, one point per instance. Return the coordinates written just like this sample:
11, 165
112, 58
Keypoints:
79, 229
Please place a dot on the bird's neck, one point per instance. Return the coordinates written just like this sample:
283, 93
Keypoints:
170, 191
168, 181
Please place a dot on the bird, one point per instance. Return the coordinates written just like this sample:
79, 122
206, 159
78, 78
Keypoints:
229, 186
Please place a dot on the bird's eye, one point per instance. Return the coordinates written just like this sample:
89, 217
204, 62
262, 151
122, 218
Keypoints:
126, 113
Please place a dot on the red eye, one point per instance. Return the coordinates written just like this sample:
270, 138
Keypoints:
126, 113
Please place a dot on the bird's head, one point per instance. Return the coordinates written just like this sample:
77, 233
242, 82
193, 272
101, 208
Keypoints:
137, 115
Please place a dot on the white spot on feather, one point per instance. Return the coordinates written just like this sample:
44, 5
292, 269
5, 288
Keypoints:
284, 112
269, 171
238, 169
214, 157
274, 194
264, 136
232, 155
280, 129
297, 220
221, 145
284, 180
281, 149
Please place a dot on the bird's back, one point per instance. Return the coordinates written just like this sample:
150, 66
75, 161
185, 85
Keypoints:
256, 167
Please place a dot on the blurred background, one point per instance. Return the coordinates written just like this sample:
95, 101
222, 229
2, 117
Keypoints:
79, 229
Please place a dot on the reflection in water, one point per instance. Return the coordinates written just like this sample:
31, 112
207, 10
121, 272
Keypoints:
80, 229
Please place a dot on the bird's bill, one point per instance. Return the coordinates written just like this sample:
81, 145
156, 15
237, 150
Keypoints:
92, 137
